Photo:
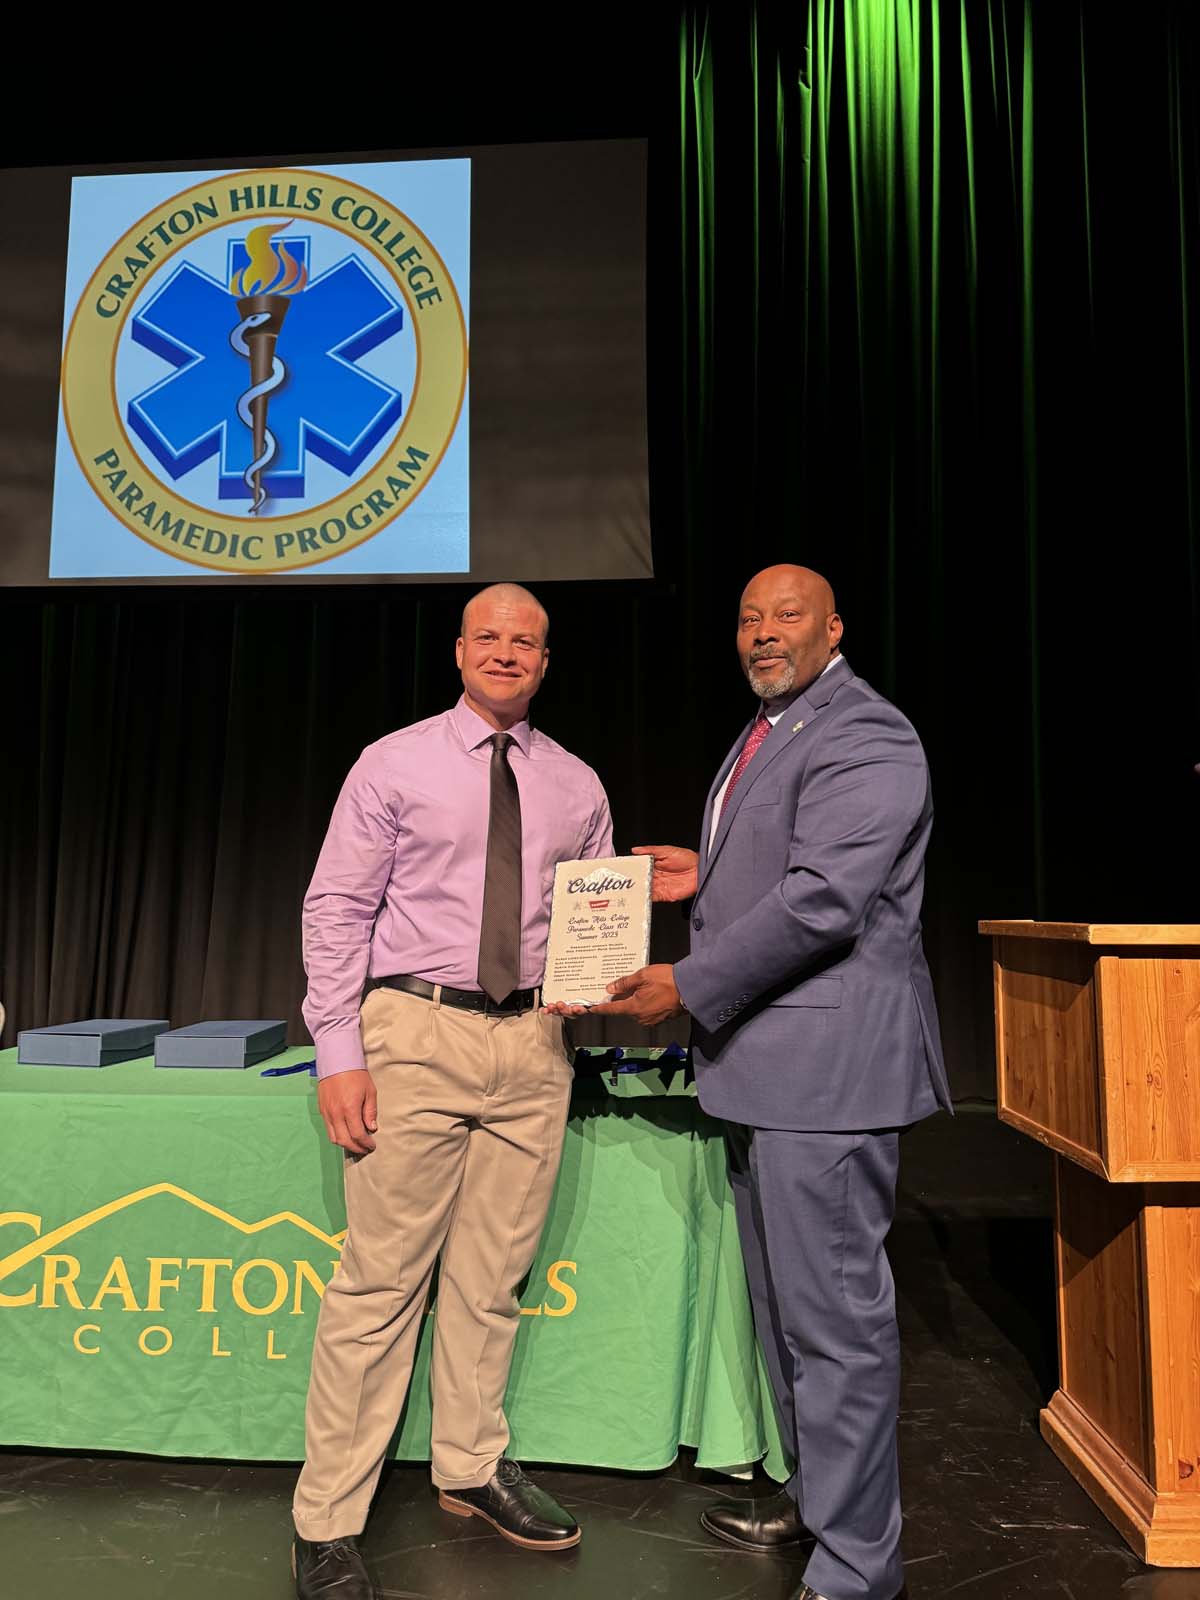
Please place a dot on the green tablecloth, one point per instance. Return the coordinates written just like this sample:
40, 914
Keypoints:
165, 1236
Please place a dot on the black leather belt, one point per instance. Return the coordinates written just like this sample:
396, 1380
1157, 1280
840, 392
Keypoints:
465, 999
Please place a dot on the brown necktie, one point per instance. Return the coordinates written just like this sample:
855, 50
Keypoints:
500, 931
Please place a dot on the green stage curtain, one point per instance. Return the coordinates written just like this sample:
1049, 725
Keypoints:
939, 288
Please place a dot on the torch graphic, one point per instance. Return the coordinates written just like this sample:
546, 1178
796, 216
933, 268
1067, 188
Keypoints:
263, 289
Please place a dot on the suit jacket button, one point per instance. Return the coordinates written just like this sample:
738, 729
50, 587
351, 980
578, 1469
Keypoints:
697, 923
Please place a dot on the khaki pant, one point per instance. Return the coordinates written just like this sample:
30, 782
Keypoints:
471, 1117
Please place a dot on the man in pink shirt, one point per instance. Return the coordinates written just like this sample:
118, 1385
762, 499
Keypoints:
446, 1086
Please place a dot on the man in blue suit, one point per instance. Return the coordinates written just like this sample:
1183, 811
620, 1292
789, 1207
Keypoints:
815, 1037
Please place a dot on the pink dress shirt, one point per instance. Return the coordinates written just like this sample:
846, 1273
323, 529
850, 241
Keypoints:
398, 886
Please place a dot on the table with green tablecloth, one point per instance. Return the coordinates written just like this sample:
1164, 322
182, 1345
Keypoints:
165, 1237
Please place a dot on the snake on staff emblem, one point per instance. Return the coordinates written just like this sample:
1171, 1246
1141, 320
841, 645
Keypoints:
253, 473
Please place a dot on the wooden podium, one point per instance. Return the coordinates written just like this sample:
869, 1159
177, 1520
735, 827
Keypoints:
1098, 1056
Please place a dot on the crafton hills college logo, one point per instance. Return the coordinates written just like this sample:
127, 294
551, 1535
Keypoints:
265, 370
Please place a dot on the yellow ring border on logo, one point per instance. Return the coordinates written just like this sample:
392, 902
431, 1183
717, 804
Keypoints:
92, 415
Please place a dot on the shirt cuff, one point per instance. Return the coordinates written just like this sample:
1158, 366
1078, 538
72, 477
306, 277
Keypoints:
340, 1051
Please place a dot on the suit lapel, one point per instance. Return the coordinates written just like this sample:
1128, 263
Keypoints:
793, 722
780, 736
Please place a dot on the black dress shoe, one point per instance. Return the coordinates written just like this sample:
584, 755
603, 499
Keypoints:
770, 1524
516, 1508
330, 1568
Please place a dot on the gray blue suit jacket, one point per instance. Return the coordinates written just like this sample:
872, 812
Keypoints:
810, 995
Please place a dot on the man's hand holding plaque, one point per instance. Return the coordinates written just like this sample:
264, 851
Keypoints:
676, 871
646, 996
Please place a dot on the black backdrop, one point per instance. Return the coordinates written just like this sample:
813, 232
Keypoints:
919, 313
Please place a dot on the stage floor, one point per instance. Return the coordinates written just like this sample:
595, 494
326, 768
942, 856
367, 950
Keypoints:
990, 1514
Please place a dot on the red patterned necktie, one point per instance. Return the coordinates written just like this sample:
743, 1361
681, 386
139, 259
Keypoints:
754, 738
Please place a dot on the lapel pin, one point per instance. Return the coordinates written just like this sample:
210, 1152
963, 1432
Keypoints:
797, 727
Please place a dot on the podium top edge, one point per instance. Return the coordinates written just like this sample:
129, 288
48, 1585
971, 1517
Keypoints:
1136, 933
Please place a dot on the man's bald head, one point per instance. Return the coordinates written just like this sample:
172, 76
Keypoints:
799, 582
508, 595
788, 630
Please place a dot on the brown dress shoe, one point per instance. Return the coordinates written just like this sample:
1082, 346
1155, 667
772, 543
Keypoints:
516, 1508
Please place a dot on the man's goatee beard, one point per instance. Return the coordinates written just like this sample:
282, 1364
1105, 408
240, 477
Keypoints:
773, 688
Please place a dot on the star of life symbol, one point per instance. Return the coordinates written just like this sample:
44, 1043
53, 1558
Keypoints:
247, 391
